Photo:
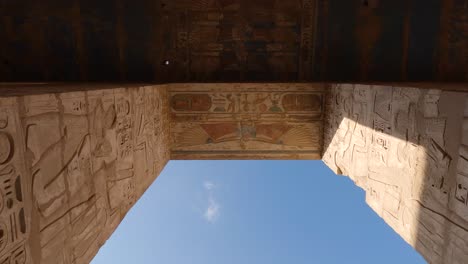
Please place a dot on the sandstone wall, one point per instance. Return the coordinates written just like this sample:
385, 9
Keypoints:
247, 121
72, 165
408, 149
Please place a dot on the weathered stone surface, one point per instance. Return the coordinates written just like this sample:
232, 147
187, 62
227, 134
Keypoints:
233, 40
247, 121
406, 148
71, 166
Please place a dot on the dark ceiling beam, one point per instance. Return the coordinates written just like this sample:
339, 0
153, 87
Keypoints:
234, 40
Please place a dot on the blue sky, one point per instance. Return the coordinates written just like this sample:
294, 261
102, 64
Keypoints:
262, 212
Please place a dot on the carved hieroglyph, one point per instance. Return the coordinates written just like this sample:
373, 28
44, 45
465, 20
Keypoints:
15, 193
238, 40
71, 166
247, 121
408, 149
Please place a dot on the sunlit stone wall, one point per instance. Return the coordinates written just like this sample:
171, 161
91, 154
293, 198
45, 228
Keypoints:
71, 166
408, 149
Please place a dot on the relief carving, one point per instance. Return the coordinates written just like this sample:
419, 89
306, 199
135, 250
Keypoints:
247, 102
413, 178
191, 102
301, 102
14, 219
78, 161
3, 120
79, 149
6, 148
239, 40
249, 117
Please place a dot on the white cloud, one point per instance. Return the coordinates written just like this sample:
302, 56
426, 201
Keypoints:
212, 212
209, 185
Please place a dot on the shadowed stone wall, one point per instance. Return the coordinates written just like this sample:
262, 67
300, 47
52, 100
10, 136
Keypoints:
247, 121
72, 165
408, 149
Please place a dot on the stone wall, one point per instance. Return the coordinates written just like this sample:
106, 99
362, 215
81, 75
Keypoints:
72, 165
247, 121
408, 149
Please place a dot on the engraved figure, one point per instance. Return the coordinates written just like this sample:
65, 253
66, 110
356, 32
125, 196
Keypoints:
275, 108
3, 119
231, 103
461, 193
3, 236
6, 148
